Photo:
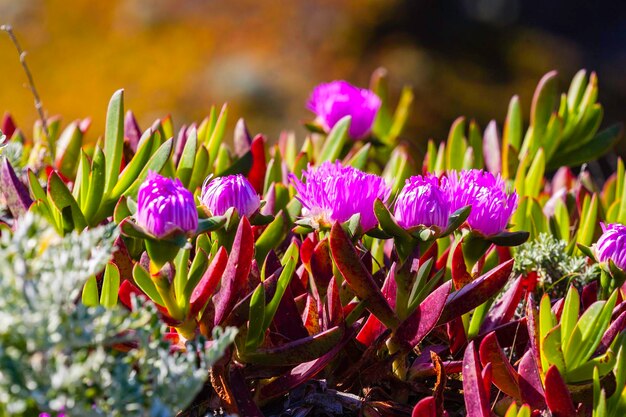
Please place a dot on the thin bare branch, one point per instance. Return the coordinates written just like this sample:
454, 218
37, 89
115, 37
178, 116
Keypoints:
31, 83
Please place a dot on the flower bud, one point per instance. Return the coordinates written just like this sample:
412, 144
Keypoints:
165, 205
424, 201
222, 193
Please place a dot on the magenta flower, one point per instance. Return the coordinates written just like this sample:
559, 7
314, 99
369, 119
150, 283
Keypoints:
492, 207
222, 193
164, 205
332, 192
612, 244
333, 101
424, 201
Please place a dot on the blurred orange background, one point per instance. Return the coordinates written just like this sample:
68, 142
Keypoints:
179, 57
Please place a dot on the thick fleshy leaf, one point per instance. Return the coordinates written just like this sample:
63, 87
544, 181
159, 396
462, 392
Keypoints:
425, 317
426, 407
15, 193
618, 326
530, 385
90, 292
110, 286
504, 309
62, 199
241, 394
373, 327
208, 283
241, 312
235, 278
557, 395
491, 148
456, 145
476, 400
304, 371
476, 292
296, 352
68, 149
503, 375
337, 138
114, 139
256, 175
358, 277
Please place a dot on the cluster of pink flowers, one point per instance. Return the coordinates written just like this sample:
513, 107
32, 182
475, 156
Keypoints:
333, 192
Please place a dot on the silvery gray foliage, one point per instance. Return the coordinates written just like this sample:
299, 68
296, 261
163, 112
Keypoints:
555, 268
56, 354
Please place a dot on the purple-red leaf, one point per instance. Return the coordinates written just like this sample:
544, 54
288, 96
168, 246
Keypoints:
424, 318
476, 292
296, 352
15, 193
358, 277
529, 380
616, 327
302, 372
491, 148
426, 407
476, 401
373, 327
504, 376
208, 283
256, 176
241, 394
235, 278
557, 395
504, 309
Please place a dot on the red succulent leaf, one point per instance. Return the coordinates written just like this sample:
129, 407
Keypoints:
321, 264
589, 294
302, 372
8, 125
476, 400
310, 316
458, 268
530, 386
504, 376
128, 289
307, 247
256, 176
373, 327
287, 321
358, 277
532, 323
240, 313
14, 191
476, 292
235, 278
424, 318
122, 259
132, 133
208, 283
614, 329
504, 309
333, 303
558, 397
443, 259
487, 375
456, 335
426, 407
306, 349
241, 394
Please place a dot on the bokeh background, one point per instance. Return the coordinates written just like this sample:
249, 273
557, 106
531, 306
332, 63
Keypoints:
463, 57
